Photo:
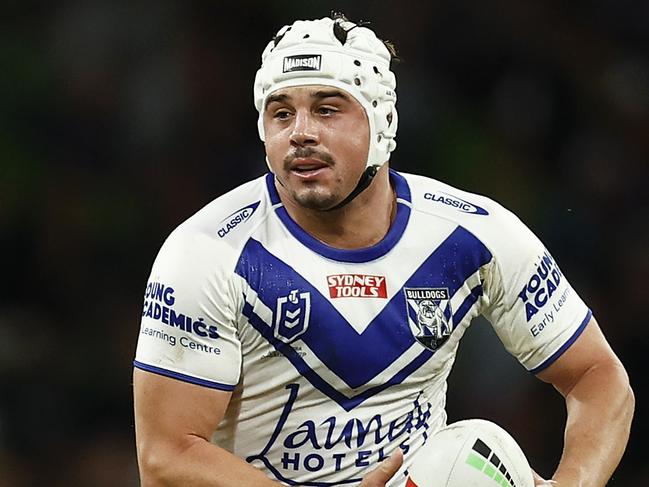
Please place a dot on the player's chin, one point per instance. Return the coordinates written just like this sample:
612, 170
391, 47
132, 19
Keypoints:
315, 198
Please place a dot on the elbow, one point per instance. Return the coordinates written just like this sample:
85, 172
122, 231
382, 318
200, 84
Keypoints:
617, 383
620, 383
153, 469
626, 392
163, 463
156, 465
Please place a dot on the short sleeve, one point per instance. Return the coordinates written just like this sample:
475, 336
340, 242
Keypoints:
532, 306
189, 328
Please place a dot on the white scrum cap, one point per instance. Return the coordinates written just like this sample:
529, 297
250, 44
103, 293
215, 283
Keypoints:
338, 53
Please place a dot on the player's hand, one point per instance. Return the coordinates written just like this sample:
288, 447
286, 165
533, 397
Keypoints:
541, 482
384, 472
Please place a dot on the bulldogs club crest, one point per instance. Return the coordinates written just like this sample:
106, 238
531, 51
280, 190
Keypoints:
429, 315
292, 315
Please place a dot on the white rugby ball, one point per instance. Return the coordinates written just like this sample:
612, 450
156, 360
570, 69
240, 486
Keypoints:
470, 453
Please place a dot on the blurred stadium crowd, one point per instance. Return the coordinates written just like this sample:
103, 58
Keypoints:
120, 119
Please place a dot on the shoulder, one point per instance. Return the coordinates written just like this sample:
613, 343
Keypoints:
486, 219
213, 237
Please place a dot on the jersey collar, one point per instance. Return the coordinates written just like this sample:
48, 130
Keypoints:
365, 254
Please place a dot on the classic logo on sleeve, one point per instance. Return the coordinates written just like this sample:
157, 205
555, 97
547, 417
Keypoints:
356, 286
429, 315
455, 202
231, 221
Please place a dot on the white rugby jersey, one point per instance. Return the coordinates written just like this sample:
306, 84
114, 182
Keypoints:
337, 357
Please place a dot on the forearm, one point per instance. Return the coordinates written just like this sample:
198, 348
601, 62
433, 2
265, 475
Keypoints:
198, 463
600, 408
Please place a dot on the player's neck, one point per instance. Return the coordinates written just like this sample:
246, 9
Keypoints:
361, 223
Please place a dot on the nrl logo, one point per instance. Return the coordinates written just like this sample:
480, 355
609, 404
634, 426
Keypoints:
429, 315
292, 315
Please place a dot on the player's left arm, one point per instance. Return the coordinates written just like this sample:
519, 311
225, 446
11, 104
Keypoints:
600, 404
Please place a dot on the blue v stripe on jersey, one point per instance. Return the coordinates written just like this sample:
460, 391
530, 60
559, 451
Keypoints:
336, 343
333, 340
347, 403
467, 304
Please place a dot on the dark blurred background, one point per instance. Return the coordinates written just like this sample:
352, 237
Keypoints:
118, 120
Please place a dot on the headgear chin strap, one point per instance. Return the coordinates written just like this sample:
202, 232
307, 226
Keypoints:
366, 178
338, 53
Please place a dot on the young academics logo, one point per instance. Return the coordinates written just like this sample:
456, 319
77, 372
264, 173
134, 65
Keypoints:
537, 294
302, 62
234, 219
455, 202
429, 315
160, 305
356, 286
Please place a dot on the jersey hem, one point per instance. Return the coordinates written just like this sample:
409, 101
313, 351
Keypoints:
182, 377
549, 361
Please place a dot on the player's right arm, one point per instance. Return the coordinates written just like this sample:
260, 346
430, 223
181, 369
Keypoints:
174, 422
187, 364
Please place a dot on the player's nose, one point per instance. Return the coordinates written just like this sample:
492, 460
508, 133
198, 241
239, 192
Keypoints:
305, 129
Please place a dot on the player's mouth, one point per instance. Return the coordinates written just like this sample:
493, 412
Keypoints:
307, 168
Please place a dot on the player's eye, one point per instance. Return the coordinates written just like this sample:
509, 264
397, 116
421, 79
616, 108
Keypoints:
282, 114
326, 110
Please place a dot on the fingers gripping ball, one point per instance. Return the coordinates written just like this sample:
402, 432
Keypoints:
470, 453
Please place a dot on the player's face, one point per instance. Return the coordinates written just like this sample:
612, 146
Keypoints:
317, 140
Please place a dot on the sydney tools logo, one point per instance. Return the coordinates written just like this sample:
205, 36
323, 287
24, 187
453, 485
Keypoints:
356, 286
